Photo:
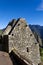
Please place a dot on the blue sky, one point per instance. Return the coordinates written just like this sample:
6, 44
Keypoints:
31, 10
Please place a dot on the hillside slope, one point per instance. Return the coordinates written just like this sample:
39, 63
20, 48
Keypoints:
38, 29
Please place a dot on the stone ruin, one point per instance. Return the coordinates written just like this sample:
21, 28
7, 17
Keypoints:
18, 37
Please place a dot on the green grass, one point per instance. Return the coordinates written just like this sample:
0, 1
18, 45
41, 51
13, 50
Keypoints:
0, 32
41, 53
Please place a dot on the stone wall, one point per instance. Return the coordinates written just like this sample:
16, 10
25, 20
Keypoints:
37, 38
1, 44
20, 37
7, 30
4, 43
24, 41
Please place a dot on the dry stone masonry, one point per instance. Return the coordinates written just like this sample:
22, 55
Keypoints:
19, 38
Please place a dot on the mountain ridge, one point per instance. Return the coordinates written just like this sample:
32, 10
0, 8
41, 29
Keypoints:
38, 29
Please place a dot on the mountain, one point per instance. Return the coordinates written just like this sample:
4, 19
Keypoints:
38, 29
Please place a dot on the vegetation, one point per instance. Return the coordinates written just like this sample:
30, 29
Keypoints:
41, 53
0, 32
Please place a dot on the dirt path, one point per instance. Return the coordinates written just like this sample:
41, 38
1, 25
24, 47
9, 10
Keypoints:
5, 59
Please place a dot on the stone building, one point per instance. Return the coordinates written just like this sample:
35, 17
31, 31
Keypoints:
18, 37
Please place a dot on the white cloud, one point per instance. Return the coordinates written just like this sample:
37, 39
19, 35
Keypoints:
40, 7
